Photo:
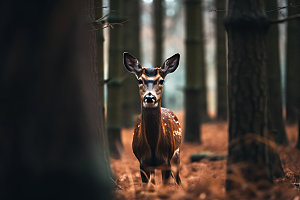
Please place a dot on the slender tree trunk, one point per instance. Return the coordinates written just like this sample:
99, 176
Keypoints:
292, 63
221, 62
193, 69
114, 93
52, 143
202, 73
274, 115
131, 104
248, 154
158, 32
100, 53
158, 20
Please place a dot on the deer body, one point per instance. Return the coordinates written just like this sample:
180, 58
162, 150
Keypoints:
157, 133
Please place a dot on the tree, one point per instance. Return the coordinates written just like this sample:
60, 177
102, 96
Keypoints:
131, 104
292, 62
158, 21
249, 152
221, 62
298, 143
274, 100
52, 138
158, 32
114, 90
194, 62
202, 72
100, 53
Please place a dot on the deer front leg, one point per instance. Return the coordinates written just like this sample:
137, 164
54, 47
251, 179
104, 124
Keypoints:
176, 161
145, 174
166, 175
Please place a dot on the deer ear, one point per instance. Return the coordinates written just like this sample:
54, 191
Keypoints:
171, 64
132, 64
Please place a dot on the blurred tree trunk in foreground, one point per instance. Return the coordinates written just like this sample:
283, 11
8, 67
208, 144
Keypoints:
298, 143
221, 62
250, 156
131, 102
274, 99
194, 62
52, 139
114, 87
292, 63
100, 53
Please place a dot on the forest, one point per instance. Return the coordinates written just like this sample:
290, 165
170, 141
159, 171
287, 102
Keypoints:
150, 99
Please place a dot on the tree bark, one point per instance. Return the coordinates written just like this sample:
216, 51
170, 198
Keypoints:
100, 53
193, 69
221, 62
131, 104
274, 101
292, 63
158, 32
249, 152
298, 143
158, 20
52, 143
202, 73
114, 89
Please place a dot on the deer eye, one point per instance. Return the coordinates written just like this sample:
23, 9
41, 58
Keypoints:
161, 82
140, 81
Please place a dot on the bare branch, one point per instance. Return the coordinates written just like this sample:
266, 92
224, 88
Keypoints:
114, 81
278, 8
217, 10
291, 5
285, 19
111, 25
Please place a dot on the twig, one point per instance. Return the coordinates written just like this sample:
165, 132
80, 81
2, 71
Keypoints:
111, 25
275, 9
114, 81
99, 21
285, 19
279, 8
217, 10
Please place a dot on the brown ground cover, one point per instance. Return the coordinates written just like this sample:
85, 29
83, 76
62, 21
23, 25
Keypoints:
204, 179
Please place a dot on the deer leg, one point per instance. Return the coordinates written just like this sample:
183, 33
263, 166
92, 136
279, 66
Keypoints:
152, 176
145, 174
176, 162
165, 175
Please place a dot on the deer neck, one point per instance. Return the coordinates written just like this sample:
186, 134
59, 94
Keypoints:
151, 125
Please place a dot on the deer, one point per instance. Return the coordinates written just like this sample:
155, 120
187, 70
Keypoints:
157, 133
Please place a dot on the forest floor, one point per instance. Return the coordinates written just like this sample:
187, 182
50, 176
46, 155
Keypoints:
204, 179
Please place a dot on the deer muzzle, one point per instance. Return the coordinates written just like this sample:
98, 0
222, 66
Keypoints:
149, 101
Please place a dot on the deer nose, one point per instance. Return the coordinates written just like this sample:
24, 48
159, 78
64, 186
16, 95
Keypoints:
149, 98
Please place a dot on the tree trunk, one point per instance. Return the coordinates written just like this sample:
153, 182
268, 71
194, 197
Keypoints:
202, 73
158, 32
100, 53
193, 69
298, 143
274, 100
158, 20
114, 90
221, 62
248, 154
131, 104
52, 140
292, 63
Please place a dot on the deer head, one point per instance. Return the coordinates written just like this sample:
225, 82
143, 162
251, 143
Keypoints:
150, 80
